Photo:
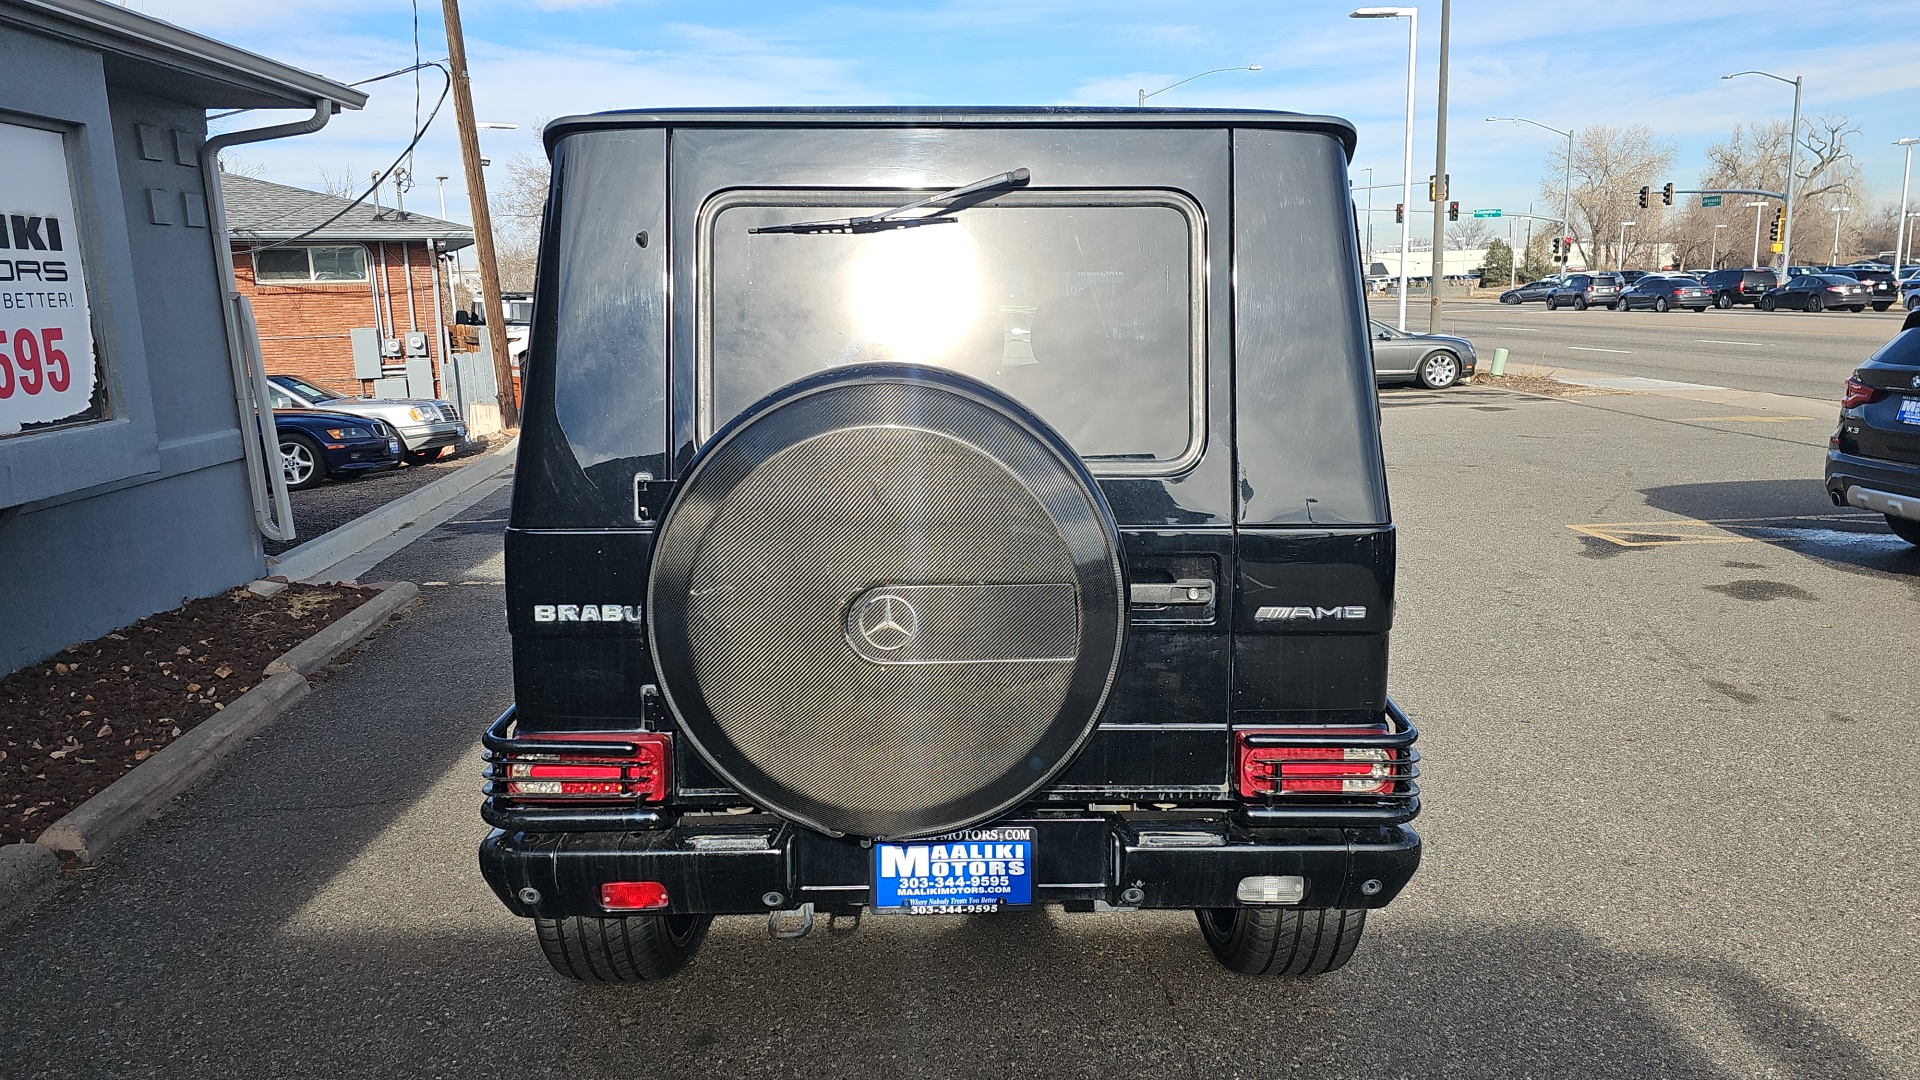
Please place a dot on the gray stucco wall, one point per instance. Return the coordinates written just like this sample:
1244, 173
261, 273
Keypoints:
113, 521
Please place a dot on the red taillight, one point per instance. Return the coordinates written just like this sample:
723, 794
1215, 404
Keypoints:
1836, 288
633, 896
1859, 393
1313, 770
643, 776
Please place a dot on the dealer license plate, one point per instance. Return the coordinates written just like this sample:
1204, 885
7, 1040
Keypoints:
1910, 410
393, 446
976, 870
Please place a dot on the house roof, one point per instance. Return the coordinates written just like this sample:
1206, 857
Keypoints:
262, 210
161, 58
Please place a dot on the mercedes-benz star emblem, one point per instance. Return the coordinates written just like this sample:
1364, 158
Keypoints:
887, 622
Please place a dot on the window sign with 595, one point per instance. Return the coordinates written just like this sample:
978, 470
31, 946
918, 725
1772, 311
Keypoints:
977, 870
46, 338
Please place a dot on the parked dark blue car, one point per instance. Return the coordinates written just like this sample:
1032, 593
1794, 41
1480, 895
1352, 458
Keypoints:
315, 445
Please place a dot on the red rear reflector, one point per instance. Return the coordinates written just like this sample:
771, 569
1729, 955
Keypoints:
1859, 393
1313, 770
633, 896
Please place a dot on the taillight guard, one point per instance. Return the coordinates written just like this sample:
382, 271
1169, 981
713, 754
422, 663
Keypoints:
578, 769
1297, 770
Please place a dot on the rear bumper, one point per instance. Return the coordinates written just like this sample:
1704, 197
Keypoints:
1886, 487
747, 865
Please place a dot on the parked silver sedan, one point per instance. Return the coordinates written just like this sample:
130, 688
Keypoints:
1435, 361
426, 428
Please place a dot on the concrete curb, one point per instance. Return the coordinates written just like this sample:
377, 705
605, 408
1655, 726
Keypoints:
90, 828
126, 804
343, 633
315, 558
26, 872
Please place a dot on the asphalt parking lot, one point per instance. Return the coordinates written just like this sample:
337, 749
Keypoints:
1780, 352
1668, 752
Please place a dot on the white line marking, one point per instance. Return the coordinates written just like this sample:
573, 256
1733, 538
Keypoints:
1583, 348
1717, 341
1528, 329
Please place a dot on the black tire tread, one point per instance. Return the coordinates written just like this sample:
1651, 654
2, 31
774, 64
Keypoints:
1289, 944
637, 948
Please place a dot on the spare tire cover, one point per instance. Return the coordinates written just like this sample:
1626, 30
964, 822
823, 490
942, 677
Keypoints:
887, 601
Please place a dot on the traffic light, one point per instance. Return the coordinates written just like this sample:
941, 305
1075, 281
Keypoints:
1399, 213
1556, 245
1437, 187
1666, 196
1453, 211
1643, 197
1779, 223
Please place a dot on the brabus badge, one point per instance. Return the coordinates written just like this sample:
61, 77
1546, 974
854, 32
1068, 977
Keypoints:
602, 613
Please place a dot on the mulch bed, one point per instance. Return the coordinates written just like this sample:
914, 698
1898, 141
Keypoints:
1541, 384
76, 723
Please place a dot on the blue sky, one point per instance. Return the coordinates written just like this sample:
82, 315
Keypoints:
1562, 64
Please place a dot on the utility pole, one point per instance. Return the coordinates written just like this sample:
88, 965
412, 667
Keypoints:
482, 220
1440, 192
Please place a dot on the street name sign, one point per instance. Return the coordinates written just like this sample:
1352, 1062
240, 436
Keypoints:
1486, 213
1709, 200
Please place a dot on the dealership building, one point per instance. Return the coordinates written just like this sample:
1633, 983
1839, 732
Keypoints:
134, 468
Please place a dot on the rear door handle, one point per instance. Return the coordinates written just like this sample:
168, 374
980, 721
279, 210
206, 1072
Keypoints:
1184, 591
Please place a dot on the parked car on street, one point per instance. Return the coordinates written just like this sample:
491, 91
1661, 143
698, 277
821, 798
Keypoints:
1817, 292
893, 579
1885, 292
1730, 287
425, 427
1873, 457
1532, 290
1435, 361
1664, 293
1585, 290
316, 444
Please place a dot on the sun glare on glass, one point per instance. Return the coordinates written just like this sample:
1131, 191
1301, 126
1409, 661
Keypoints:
916, 292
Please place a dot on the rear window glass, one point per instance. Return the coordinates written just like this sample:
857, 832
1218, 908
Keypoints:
1083, 306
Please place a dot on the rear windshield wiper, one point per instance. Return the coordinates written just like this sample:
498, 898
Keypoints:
889, 220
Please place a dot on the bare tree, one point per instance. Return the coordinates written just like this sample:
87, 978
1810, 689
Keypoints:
234, 166
1469, 234
1756, 157
341, 185
1610, 165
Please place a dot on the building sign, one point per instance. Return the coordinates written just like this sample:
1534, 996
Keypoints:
47, 370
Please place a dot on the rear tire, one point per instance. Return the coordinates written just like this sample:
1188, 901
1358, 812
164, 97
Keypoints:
1579, 303
1905, 528
1270, 941
1659, 303
1883, 305
1856, 308
636, 948
1723, 301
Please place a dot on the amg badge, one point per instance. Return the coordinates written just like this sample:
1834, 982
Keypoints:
1310, 614
586, 613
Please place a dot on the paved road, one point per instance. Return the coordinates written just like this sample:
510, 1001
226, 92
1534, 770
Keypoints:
1667, 816
1783, 352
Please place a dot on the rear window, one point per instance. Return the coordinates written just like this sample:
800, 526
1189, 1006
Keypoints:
1085, 306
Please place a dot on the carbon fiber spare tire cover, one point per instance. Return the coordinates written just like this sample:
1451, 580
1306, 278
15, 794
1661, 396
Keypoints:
887, 601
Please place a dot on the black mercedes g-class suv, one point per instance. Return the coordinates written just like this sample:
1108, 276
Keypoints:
943, 511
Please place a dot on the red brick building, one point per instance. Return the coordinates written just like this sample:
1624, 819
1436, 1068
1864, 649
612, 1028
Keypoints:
321, 272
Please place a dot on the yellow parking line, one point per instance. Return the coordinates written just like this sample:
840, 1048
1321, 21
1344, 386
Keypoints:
1635, 534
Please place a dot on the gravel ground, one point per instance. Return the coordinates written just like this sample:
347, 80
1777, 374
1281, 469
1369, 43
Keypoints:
321, 510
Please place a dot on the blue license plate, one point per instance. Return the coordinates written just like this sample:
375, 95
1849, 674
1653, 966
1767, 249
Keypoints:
976, 870
393, 446
1910, 410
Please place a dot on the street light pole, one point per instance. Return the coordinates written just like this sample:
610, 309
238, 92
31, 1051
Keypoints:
1620, 255
1793, 150
1143, 90
1839, 215
1900, 234
1412, 15
1440, 192
1758, 205
1713, 249
1566, 205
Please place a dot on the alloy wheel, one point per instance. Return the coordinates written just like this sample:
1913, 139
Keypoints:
296, 463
